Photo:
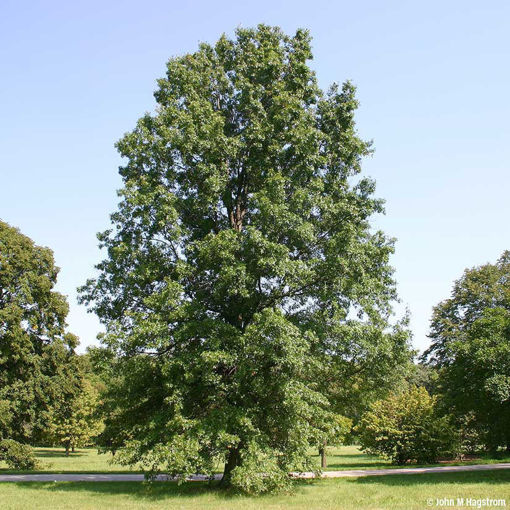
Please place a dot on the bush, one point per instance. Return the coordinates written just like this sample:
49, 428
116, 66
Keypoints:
406, 427
17, 455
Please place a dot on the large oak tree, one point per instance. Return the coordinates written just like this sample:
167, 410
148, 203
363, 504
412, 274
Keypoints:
240, 262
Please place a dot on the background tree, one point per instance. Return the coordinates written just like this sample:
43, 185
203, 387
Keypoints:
470, 348
75, 421
109, 381
243, 226
362, 362
339, 428
407, 426
35, 350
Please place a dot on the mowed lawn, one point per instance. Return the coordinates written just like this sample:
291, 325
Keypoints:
88, 460
54, 460
383, 492
351, 457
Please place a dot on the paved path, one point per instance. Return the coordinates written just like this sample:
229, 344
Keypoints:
130, 477
405, 471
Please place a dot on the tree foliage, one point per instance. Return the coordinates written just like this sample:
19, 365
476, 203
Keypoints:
16, 455
362, 363
75, 421
471, 349
406, 427
35, 349
240, 261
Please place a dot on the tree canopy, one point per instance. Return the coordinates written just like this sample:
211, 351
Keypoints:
470, 335
75, 420
241, 260
478, 290
35, 348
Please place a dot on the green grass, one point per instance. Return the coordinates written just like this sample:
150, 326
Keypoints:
87, 460
351, 457
407, 492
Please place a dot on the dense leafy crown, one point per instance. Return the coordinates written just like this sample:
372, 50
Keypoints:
241, 239
34, 345
470, 335
236, 192
474, 295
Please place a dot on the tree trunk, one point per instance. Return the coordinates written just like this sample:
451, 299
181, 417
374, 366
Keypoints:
322, 453
72, 448
233, 460
67, 448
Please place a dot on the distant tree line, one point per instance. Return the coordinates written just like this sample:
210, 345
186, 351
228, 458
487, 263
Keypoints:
48, 394
466, 369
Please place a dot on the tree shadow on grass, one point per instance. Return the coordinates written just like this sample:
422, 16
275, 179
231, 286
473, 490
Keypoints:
351, 460
57, 453
140, 490
361, 461
158, 491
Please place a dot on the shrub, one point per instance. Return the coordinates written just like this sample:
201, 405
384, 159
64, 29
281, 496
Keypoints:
406, 427
17, 455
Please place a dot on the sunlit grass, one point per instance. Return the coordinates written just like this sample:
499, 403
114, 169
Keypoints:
82, 460
351, 457
408, 492
88, 460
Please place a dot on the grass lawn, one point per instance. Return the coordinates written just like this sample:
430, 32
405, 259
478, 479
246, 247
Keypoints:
54, 460
406, 492
350, 457
87, 460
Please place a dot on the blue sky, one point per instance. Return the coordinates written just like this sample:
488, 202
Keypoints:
433, 81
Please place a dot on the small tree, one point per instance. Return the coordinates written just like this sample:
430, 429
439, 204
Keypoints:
75, 422
406, 427
340, 426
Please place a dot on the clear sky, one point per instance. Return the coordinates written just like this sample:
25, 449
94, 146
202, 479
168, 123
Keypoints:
433, 81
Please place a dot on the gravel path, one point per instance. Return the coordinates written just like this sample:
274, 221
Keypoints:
92, 477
